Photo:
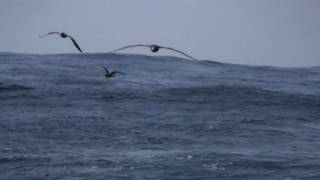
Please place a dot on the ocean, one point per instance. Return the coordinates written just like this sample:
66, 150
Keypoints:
166, 118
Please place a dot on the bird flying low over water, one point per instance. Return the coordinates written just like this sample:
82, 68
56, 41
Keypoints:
64, 35
110, 73
154, 48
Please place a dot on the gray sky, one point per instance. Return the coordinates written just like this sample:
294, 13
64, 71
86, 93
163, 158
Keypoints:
258, 32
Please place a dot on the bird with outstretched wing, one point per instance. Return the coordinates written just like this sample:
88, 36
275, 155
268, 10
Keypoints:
64, 35
154, 48
110, 73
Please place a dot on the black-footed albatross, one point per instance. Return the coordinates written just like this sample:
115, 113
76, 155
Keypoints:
64, 35
154, 48
109, 73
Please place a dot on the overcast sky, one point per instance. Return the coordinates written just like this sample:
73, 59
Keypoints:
258, 32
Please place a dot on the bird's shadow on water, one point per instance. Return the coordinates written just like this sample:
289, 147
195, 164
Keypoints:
8, 87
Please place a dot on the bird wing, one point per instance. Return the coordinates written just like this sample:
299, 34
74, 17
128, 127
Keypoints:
120, 72
169, 48
106, 69
49, 34
130, 46
75, 43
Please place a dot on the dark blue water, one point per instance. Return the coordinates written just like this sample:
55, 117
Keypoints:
167, 118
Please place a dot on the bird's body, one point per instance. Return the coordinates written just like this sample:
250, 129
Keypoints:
64, 35
109, 73
154, 48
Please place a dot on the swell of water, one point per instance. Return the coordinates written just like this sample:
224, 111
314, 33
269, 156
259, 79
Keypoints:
167, 118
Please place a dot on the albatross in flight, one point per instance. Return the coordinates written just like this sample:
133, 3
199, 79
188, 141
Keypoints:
154, 48
64, 35
110, 73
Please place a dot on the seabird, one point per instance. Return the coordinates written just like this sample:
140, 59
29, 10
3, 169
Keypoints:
154, 48
110, 73
64, 35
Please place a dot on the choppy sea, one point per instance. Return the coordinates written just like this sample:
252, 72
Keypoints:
166, 118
